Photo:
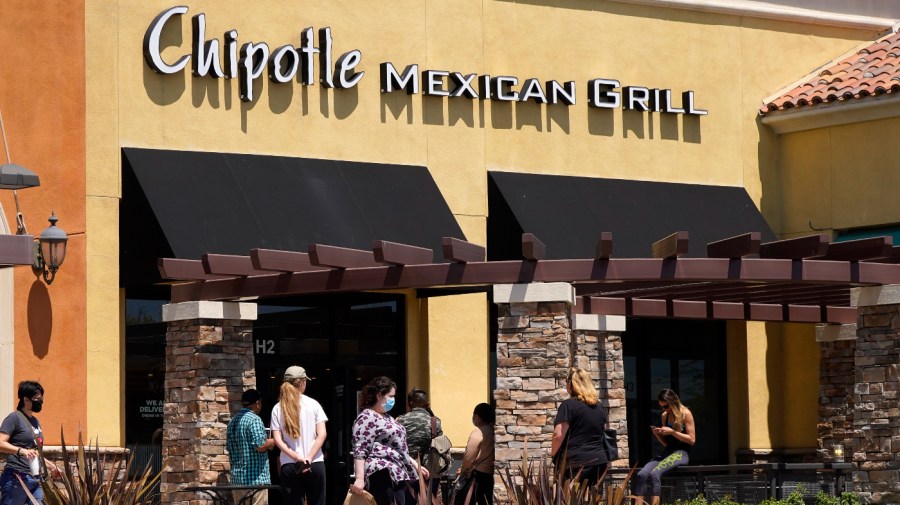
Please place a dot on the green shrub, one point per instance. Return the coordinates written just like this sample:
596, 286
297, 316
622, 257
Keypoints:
844, 499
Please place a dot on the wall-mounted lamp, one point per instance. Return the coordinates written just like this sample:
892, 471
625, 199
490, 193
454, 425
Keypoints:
50, 250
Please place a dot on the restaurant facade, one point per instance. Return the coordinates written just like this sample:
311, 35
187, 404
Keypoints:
165, 130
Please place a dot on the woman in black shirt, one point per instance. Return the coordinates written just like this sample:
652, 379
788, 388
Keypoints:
578, 432
677, 435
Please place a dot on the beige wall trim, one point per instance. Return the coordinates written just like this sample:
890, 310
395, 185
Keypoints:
534, 292
835, 332
7, 328
597, 322
209, 310
811, 117
875, 295
776, 11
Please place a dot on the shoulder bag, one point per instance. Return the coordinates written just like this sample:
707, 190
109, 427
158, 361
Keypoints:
610, 444
438, 459
37, 464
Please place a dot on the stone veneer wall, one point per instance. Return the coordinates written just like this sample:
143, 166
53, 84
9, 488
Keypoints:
600, 353
533, 358
535, 348
209, 363
876, 413
836, 385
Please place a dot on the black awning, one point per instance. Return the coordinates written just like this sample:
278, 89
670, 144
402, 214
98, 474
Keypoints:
185, 204
569, 213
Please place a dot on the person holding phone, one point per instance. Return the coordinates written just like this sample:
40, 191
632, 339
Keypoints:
677, 435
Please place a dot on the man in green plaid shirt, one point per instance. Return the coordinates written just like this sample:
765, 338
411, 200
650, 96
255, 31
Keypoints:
248, 448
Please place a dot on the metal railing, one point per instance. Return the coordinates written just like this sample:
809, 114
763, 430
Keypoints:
752, 483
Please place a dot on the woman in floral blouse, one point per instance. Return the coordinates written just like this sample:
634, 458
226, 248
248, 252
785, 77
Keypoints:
381, 462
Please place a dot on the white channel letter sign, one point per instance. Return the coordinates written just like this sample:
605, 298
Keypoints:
248, 63
224, 58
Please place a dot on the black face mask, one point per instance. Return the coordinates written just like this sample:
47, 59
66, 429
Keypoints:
36, 406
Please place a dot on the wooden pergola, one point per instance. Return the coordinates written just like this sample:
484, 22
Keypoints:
805, 279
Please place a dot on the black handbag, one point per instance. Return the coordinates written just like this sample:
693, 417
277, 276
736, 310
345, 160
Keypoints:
610, 444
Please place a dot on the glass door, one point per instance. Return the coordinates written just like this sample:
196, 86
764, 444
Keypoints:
688, 357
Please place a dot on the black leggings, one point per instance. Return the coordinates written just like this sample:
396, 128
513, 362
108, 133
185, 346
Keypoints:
385, 491
299, 485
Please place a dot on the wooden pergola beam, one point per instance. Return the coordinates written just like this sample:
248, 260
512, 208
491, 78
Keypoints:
604, 246
532, 248
796, 248
460, 251
717, 310
735, 247
862, 249
190, 270
282, 261
340, 257
401, 254
227, 264
673, 246
574, 271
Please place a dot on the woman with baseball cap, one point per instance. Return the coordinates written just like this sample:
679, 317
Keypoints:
298, 426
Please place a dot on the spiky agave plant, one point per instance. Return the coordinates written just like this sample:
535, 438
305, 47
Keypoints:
97, 479
542, 484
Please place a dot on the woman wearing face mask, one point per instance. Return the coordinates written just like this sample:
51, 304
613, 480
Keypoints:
21, 437
381, 462
676, 434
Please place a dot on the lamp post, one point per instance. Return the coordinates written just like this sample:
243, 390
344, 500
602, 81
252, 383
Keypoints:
50, 250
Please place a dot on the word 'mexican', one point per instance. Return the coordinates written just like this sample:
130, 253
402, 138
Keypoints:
224, 58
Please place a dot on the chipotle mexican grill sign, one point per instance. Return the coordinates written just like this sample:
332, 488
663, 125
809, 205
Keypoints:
316, 59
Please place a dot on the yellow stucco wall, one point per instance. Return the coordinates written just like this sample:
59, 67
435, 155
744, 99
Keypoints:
773, 376
105, 304
458, 360
730, 62
839, 177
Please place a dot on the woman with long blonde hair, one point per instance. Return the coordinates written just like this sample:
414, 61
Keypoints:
677, 434
577, 442
298, 426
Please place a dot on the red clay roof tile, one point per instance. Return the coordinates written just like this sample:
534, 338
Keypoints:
872, 70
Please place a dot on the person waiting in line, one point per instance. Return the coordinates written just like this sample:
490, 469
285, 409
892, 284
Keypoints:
298, 427
22, 438
418, 423
248, 446
577, 439
677, 435
381, 461
478, 460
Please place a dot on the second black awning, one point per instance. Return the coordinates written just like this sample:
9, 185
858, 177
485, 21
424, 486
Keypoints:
569, 213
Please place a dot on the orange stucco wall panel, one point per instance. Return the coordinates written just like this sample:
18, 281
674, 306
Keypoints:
42, 99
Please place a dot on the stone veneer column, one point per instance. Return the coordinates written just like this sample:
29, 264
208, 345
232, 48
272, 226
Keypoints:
538, 340
209, 363
533, 356
597, 347
876, 416
837, 363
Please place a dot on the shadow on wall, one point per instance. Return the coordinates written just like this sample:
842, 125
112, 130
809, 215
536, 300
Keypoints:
40, 318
